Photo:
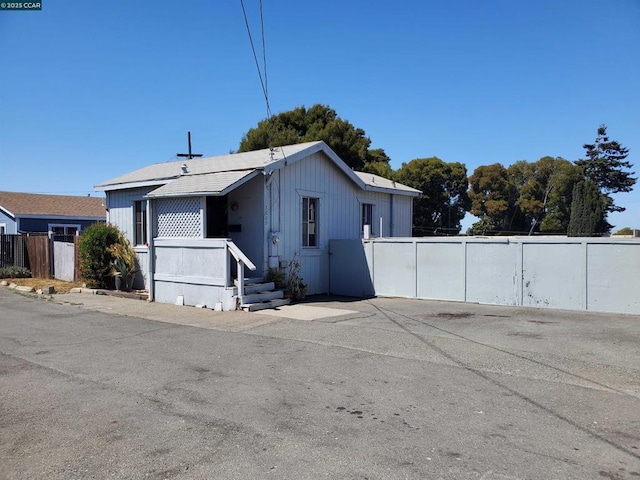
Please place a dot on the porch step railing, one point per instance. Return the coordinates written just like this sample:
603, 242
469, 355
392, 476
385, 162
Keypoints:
242, 260
253, 293
260, 295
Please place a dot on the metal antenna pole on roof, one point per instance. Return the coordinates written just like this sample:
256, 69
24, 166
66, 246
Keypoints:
189, 155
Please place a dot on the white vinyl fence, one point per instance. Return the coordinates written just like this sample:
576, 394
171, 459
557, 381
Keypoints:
192, 271
64, 261
599, 274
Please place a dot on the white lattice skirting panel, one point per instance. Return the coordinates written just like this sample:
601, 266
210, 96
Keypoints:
179, 218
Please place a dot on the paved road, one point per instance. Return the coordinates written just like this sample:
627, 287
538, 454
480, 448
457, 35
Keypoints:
100, 387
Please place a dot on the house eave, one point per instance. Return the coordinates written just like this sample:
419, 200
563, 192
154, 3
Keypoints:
181, 195
392, 191
50, 216
126, 186
8, 213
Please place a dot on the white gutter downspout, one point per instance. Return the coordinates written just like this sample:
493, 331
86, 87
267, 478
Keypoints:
150, 251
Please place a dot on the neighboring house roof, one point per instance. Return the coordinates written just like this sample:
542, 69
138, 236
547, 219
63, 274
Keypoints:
18, 204
212, 175
376, 182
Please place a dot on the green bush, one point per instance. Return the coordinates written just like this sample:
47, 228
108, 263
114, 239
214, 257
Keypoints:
14, 272
95, 257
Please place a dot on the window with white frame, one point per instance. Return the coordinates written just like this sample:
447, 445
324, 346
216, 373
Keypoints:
309, 222
367, 216
140, 221
3, 228
62, 229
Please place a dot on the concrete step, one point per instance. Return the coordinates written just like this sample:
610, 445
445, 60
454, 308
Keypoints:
256, 285
263, 296
254, 307
249, 280
259, 287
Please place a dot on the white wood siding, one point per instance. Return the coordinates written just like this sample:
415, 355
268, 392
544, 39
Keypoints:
120, 213
120, 209
402, 216
250, 215
339, 214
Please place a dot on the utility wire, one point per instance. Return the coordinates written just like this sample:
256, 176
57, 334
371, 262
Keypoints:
264, 63
263, 83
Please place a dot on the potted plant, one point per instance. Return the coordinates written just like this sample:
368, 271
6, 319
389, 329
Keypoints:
123, 266
296, 285
120, 273
276, 276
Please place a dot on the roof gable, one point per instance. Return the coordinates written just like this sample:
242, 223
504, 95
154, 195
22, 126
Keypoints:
160, 173
33, 204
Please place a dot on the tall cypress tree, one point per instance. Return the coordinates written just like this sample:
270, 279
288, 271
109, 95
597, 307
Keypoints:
587, 211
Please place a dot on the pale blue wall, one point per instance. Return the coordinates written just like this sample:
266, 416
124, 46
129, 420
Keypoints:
42, 224
566, 273
10, 224
38, 225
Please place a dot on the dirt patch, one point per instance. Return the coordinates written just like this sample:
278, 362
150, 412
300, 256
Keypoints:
36, 283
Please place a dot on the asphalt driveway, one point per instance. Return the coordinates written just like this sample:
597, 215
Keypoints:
102, 387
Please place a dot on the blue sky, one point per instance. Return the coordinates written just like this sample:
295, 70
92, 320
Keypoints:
93, 89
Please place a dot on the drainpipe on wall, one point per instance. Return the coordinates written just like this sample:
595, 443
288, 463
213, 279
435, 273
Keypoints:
150, 251
271, 251
392, 230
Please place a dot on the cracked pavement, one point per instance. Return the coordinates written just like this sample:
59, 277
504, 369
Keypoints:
383, 388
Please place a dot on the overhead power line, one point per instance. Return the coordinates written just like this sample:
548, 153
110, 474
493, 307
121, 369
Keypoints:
263, 81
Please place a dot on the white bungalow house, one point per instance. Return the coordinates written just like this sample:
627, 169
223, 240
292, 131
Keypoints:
186, 219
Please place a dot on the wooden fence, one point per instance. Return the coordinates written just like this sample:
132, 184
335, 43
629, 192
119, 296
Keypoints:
39, 256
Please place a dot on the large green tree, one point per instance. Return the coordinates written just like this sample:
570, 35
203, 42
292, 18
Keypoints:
545, 193
444, 200
317, 123
524, 198
606, 166
493, 196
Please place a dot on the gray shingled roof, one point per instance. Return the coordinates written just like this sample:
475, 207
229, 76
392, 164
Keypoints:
218, 175
376, 182
257, 159
219, 183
